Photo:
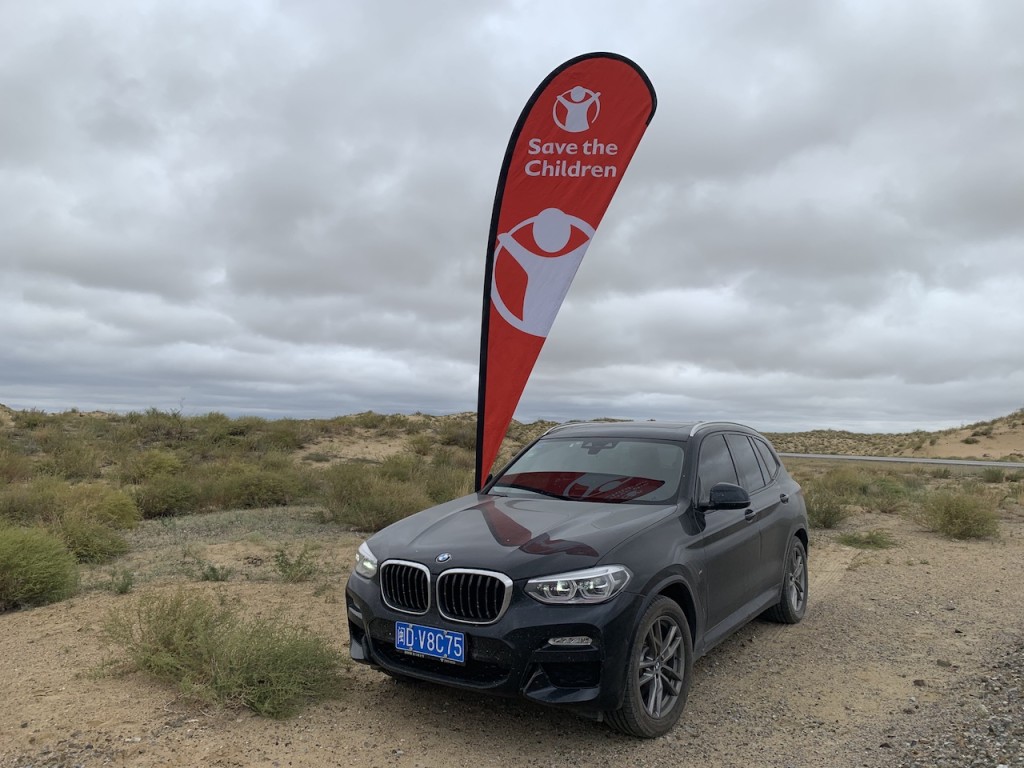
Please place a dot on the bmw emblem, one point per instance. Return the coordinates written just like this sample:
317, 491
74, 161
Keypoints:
444, 557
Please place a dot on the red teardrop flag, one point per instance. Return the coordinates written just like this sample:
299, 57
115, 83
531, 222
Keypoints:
568, 153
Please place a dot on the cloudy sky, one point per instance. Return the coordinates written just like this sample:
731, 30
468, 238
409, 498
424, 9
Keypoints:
281, 209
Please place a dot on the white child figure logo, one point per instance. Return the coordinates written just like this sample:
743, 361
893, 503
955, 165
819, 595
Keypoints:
572, 109
548, 274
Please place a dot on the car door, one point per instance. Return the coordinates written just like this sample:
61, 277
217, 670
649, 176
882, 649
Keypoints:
776, 527
764, 504
730, 540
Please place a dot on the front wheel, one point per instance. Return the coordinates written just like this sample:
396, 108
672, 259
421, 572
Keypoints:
659, 672
792, 603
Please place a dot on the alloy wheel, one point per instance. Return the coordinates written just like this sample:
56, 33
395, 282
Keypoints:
796, 579
662, 666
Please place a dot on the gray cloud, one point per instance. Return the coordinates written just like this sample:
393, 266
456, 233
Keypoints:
282, 209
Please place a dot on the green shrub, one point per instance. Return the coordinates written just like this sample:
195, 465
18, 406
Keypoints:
443, 483
876, 539
421, 444
942, 473
88, 539
15, 467
970, 440
295, 569
368, 420
67, 456
992, 475
142, 466
359, 496
156, 427
886, 494
213, 572
33, 418
915, 482
849, 483
121, 581
39, 501
215, 656
35, 568
965, 514
166, 496
825, 507
459, 433
457, 458
280, 435
104, 504
248, 487
403, 467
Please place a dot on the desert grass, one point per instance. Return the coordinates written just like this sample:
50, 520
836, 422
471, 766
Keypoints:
877, 538
212, 654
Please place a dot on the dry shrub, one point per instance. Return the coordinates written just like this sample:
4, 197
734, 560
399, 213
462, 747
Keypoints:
964, 514
214, 655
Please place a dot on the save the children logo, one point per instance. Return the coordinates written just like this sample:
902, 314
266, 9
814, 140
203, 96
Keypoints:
576, 109
534, 265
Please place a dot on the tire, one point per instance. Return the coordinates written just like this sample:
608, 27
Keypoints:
792, 603
658, 674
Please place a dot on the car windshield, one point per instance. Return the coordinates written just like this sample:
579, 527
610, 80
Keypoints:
610, 470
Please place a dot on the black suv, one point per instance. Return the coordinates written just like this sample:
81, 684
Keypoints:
591, 572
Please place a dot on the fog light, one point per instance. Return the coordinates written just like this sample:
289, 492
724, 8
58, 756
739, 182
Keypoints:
579, 640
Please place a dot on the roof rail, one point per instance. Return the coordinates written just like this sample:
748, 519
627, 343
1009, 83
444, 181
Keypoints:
704, 424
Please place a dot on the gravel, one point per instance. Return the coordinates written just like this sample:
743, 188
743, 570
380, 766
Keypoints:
984, 728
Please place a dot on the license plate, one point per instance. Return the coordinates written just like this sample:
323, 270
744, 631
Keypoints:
428, 641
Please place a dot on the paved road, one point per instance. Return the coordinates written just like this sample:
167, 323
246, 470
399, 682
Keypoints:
905, 460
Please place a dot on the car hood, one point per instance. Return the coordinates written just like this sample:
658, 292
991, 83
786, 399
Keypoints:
519, 537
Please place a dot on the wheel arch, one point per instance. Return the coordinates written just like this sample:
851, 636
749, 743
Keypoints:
801, 534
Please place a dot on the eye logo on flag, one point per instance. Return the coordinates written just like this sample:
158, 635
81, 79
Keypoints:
568, 152
576, 109
529, 285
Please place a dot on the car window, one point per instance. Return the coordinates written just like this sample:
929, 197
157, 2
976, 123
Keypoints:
597, 469
715, 466
768, 456
747, 466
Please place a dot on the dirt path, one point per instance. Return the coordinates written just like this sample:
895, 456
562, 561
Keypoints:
891, 642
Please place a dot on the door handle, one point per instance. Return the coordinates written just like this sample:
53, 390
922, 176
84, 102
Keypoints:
750, 515
784, 498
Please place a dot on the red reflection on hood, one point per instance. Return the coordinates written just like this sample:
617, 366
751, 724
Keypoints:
509, 533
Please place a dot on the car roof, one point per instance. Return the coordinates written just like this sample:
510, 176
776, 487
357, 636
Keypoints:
666, 430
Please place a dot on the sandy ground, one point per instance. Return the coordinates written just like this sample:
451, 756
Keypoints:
893, 641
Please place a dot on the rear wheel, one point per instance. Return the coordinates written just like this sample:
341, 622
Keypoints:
792, 603
658, 676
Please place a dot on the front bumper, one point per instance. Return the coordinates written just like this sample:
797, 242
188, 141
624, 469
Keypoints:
511, 657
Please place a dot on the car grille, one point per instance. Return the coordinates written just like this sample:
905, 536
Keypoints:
474, 597
405, 586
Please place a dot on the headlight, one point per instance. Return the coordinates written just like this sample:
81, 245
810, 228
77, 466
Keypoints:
366, 563
594, 585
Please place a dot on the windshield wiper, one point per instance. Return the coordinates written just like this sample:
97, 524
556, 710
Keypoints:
531, 489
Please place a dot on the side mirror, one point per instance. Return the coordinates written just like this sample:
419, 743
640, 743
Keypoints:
728, 496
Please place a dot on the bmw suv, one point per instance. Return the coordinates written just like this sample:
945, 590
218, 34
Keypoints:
591, 572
